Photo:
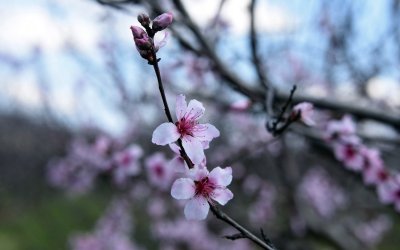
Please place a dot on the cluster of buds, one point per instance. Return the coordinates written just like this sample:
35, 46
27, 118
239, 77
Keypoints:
144, 38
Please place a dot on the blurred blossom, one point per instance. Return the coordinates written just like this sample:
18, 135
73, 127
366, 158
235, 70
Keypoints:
71, 175
343, 129
195, 236
263, 210
349, 153
306, 111
159, 172
251, 184
373, 231
321, 191
127, 163
157, 207
112, 231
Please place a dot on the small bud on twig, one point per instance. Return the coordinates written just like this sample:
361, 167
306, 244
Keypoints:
162, 21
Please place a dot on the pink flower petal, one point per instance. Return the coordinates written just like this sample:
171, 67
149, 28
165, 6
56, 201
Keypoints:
178, 164
194, 149
222, 195
205, 132
180, 106
197, 208
183, 188
221, 176
165, 133
195, 110
175, 148
197, 173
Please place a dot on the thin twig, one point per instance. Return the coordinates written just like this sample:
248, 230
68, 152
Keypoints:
224, 217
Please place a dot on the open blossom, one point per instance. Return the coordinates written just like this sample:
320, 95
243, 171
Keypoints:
306, 110
202, 187
341, 129
127, 163
159, 172
350, 155
389, 191
194, 136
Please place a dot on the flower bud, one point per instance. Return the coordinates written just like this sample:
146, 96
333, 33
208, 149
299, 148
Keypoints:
162, 21
144, 19
137, 32
144, 43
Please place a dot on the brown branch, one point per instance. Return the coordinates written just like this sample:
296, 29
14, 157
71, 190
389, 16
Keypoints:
243, 231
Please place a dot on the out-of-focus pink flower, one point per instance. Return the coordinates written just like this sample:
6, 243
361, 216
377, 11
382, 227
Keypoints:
389, 191
372, 232
306, 111
159, 173
202, 187
340, 129
324, 194
162, 21
373, 169
111, 233
188, 129
350, 155
241, 105
127, 163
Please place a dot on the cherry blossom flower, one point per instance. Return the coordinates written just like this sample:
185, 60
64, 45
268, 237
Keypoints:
306, 111
159, 172
342, 129
315, 186
127, 163
389, 191
349, 154
194, 136
201, 188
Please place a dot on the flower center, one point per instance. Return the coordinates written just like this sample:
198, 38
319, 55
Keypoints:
383, 175
185, 127
159, 170
397, 194
126, 159
204, 187
350, 151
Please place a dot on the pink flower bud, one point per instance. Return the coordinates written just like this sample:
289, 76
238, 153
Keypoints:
162, 21
137, 32
143, 43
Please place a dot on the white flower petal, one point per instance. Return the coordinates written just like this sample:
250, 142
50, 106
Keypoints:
195, 110
194, 149
183, 188
181, 106
222, 195
197, 173
221, 176
165, 133
197, 208
205, 132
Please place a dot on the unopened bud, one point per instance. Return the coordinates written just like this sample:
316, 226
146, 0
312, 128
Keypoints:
162, 21
144, 43
144, 19
137, 32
